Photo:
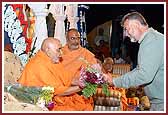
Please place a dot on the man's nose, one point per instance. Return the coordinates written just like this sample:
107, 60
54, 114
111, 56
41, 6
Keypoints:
76, 40
126, 34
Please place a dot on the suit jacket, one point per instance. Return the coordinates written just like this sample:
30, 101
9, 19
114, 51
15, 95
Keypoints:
150, 69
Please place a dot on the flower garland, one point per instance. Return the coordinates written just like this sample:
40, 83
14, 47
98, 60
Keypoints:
82, 24
16, 27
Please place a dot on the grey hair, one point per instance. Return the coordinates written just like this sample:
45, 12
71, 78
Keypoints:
134, 16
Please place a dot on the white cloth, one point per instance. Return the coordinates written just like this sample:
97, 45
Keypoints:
98, 38
120, 60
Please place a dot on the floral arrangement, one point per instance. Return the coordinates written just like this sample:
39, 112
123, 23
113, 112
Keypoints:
40, 96
15, 27
91, 78
45, 98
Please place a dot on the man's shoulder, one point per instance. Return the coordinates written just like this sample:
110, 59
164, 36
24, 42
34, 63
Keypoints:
154, 34
85, 50
36, 61
32, 62
154, 37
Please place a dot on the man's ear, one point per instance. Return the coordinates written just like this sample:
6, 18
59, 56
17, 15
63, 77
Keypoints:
47, 51
67, 37
137, 24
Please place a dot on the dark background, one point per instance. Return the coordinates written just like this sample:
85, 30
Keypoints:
100, 13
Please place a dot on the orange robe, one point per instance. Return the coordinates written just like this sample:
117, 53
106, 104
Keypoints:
40, 71
71, 59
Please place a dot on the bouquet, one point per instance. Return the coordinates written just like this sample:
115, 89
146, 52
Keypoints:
91, 77
40, 96
45, 98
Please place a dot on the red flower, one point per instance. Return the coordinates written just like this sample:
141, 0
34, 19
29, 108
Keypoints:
89, 75
28, 44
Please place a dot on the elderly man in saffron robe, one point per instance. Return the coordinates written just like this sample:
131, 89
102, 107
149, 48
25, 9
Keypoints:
73, 53
45, 69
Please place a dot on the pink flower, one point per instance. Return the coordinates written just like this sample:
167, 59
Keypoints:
90, 75
50, 105
90, 78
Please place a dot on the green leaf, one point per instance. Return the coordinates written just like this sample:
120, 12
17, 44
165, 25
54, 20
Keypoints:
105, 89
89, 90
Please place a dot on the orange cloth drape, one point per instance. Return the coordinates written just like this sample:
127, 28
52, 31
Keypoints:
71, 59
73, 102
40, 71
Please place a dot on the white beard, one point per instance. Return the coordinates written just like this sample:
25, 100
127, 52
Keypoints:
133, 39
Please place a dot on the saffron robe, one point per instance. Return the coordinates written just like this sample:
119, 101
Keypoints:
72, 59
40, 71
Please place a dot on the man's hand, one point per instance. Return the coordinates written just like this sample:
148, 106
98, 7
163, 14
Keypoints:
71, 90
75, 81
108, 78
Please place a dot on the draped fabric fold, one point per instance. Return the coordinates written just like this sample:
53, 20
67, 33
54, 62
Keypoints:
72, 59
40, 71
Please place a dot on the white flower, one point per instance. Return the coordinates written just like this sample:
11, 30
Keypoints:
48, 88
97, 67
24, 59
41, 102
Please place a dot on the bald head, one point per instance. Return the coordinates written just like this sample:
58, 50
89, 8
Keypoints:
52, 48
48, 43
72, 31
108, 60
107, 64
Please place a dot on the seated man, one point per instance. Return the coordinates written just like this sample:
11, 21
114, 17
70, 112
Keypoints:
107, 67
73, 53
104, 49
44, 69
118, 59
